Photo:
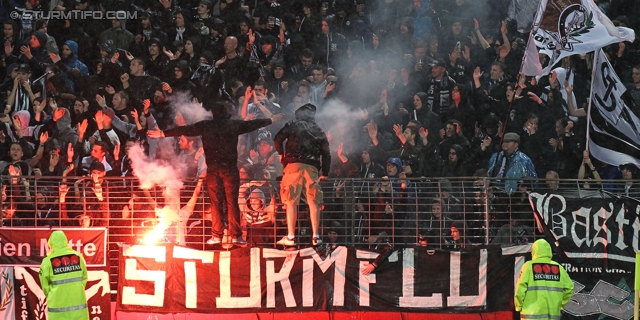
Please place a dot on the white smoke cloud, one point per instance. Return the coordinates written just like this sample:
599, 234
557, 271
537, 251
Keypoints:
158, 173
153, 173
339, 119
192, 112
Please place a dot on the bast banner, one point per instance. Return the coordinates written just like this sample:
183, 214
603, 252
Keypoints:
26, 247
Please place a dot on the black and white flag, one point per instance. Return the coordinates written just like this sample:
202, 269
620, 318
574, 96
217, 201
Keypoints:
614, 132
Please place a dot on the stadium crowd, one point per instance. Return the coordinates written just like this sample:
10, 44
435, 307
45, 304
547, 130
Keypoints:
403, 89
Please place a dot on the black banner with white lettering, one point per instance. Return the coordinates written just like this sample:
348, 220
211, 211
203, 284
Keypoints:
172, 279
595, 238
26, 247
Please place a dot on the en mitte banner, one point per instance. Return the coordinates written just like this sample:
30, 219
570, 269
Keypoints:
26, 247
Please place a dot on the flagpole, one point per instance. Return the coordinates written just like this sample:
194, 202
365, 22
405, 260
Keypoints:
534, 28
596, 54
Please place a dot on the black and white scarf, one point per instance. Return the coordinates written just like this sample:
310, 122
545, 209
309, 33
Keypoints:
439, 90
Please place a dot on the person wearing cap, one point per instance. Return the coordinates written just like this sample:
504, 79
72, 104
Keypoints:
63, 278
266, 159
439, 88
543, 287
304, 150
220, 142
21, 96
511, 163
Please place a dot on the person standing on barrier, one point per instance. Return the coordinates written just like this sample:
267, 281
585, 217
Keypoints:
543, 287
305, 151
220, 141
63, 277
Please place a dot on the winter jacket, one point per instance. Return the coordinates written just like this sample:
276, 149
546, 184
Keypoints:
121, 38
63, 277
518, 165
305, 141
72, 61
543, 287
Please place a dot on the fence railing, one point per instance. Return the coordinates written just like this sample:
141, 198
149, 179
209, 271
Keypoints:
438, 213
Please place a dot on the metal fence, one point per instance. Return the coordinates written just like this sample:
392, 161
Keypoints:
438, 213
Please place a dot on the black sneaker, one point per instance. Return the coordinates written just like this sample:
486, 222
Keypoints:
239, 241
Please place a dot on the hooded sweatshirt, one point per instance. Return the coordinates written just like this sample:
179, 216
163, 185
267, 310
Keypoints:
65, 133
543, 287
72, 61
429, 119
121, 37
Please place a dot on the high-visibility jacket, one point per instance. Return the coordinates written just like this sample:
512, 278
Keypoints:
63, 276
543, 287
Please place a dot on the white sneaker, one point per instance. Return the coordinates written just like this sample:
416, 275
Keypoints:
214, 240
316, 241
285, 241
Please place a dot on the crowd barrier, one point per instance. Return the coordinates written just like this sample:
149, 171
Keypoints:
356, 212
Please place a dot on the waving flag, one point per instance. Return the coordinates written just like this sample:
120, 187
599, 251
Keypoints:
614, 132
567, 27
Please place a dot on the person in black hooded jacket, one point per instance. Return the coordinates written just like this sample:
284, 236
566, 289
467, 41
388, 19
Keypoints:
303, 155
220, 141
35, 54
421, 111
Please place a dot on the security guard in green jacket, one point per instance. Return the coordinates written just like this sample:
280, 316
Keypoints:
63, 276
544, 287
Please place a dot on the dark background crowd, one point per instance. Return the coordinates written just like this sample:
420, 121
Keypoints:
404, 89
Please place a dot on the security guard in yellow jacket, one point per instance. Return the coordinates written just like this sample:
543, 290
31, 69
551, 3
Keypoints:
63, 276
544, 287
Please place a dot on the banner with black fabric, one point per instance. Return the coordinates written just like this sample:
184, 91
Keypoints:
595, 238
26, 247
173, 279
29, 301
